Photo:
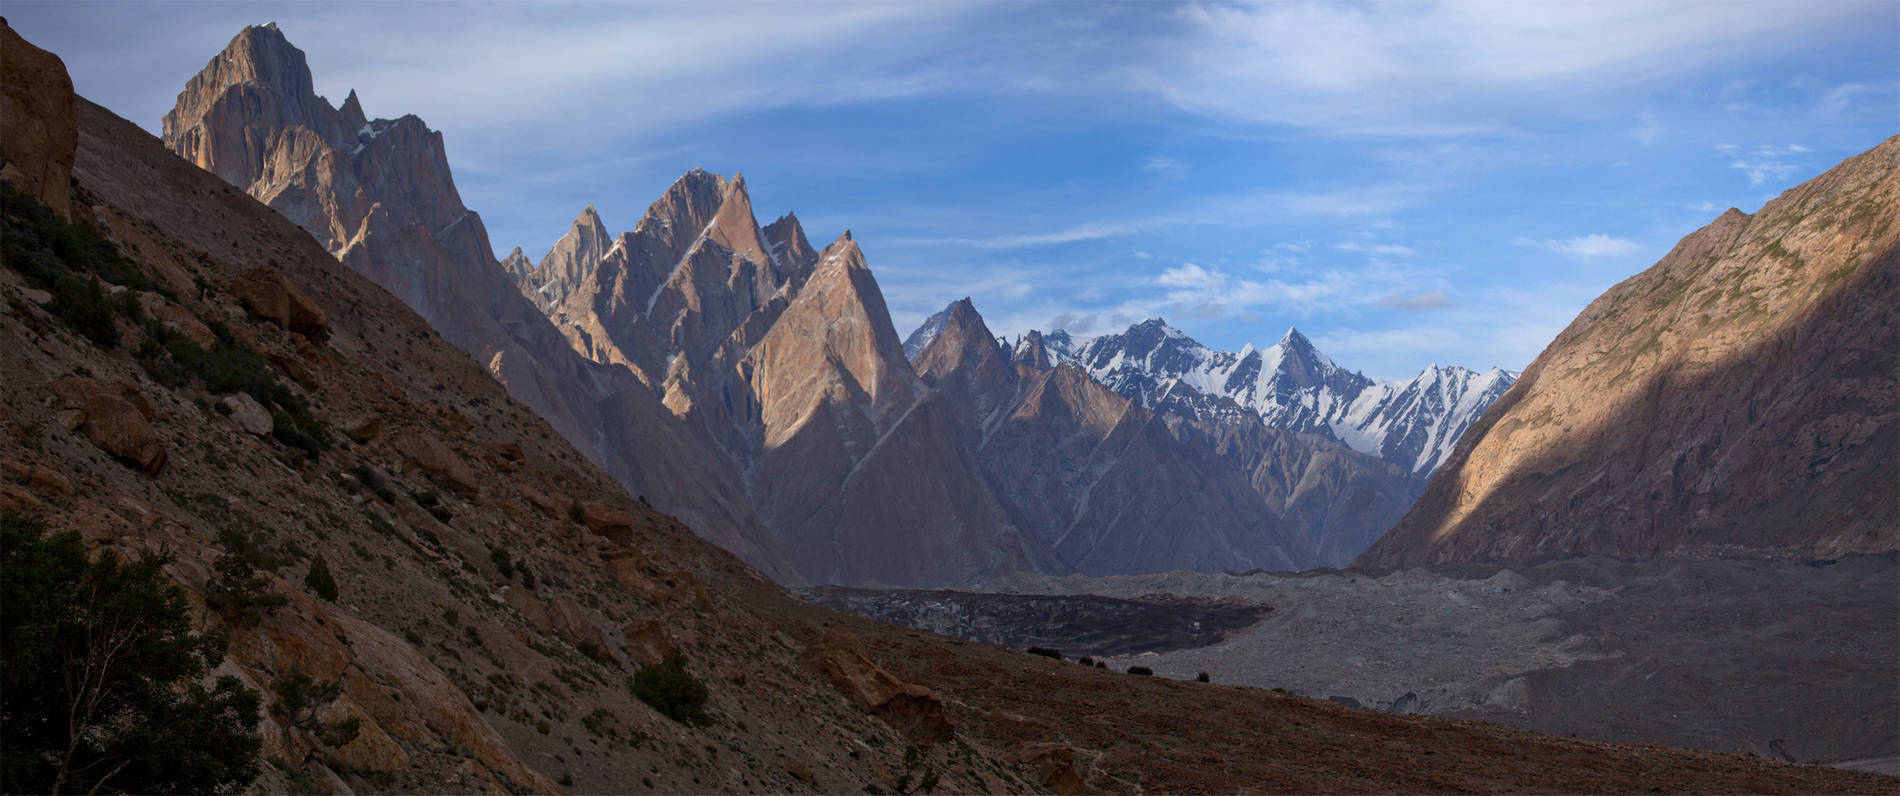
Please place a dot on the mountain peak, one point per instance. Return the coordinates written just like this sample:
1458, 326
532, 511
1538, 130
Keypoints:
1293, 338
352, 110
963, 342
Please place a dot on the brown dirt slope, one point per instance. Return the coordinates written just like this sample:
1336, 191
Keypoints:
1739, 396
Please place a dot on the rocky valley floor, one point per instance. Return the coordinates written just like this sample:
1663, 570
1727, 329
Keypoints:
1792, 660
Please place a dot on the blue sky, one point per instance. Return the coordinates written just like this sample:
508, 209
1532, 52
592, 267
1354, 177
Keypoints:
1407, 183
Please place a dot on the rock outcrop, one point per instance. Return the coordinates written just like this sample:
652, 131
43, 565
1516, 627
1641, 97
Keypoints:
38, 123
267, 292
1738, 396
912, 709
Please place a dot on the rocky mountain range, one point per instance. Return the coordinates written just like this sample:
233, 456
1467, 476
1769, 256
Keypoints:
380, 197
244, 406
1739, 396
1289, 385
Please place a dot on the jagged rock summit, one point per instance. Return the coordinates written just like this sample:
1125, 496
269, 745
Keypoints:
380, 197
1739, 396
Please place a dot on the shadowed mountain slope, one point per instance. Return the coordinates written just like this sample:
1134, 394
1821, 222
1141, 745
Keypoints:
1739, 395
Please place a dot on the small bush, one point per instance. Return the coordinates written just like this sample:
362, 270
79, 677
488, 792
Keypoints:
83, 306
431, 502
504, 563
244, 592
668, 688
1140, 670
1086, 661
69, 260
227, 367
320, 581
1045, 652
1202, 678
542, 727
298, 697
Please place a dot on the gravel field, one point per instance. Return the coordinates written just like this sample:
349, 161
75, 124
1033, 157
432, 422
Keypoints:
1787, 659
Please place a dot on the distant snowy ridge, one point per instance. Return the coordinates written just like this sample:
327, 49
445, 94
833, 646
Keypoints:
1290, 385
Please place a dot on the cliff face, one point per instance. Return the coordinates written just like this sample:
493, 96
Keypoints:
37, 122
1738, 396
378, 194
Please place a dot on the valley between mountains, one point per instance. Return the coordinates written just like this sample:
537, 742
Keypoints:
1662, 557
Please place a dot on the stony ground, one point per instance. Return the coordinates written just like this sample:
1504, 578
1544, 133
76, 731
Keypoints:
1785, 659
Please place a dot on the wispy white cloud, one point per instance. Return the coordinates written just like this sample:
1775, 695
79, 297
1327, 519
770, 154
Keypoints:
1837, 99
1765, 162
1388, 249
1164, 167
1453, 66
1419, 302
1588, 247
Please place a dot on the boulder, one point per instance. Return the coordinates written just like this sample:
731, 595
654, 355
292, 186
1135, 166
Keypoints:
248, 414
39, 122
648, 642
364, 430
270, 294
48, 483
572, 624
608, 520
910, 709
1054, 763
440, 463
16, 498
178, 319
118, 428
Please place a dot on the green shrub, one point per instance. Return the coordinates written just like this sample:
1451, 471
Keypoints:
83, 306
141, 721
243, 592
1045, 652
69, 260
668, 688
1141, 670
503, 562
1202, 677
319, 579
227, 367
298, 697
